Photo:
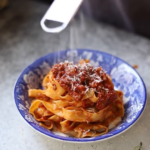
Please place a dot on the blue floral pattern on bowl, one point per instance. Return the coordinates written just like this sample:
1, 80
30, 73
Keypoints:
124, 77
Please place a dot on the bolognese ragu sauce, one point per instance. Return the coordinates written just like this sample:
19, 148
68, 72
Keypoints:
78, 79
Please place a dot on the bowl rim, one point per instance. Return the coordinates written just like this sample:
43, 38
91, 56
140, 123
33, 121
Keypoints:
83, 140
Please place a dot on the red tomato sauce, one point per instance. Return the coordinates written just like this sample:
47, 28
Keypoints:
78, 79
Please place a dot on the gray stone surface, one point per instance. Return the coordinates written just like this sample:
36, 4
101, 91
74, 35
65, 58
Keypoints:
22, 41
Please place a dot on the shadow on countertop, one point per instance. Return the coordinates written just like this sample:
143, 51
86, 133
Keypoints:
17, 18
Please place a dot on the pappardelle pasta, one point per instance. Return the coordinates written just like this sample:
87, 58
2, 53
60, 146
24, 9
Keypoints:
78, 100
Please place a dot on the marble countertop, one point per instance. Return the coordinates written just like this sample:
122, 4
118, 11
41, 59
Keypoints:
22, 41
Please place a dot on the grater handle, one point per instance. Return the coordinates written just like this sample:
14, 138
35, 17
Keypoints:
61, 11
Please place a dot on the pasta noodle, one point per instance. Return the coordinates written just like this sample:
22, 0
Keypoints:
78, 100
